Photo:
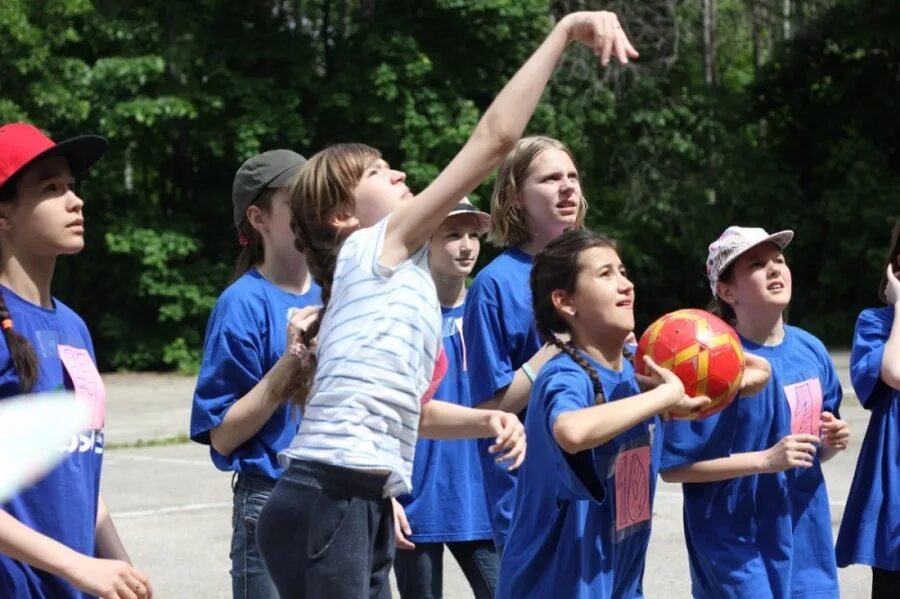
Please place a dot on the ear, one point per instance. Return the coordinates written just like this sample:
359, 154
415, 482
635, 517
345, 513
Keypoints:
344, 222
5, 223
562, 301
257, 217
725, 292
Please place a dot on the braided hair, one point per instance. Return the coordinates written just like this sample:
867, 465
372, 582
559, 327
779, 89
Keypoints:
20, 350
323, 188
556, 267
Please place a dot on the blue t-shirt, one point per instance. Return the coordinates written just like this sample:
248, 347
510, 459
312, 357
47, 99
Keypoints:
581, 523
246, 334
738, 531
870, 529
63, 504
500, 337
447, 502
809, 385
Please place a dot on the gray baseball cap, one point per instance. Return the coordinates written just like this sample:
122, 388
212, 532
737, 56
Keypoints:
269, 170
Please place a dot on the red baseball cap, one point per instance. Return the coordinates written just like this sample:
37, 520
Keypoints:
21, 144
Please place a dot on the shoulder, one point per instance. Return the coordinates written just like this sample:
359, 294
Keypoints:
246, 295
807, 340
561, 370
68, 315
504, 274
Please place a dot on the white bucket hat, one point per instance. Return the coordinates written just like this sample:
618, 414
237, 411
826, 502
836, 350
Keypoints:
734, 242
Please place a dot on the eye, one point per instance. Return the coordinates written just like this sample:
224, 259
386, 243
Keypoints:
453, 235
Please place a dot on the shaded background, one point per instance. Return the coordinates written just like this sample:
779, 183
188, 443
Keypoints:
774, 113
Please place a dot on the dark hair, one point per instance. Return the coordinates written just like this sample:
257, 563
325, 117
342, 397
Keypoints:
893, 253
20, 350
720, 307
556, 267
322, 189
254, 252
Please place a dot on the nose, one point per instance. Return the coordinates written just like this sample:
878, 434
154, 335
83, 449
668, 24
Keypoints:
75, 203
625, 284
466, 244
398, 176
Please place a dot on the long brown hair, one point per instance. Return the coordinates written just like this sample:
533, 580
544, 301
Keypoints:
323, 189
20, 350
893, 253
556, 267
508, 226
720, 307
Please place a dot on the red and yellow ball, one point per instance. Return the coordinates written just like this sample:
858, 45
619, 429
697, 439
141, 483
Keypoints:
701, 349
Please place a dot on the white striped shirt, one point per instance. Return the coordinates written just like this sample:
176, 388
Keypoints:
378, 343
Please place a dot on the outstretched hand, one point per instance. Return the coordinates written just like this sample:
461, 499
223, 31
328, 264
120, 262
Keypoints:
601, 32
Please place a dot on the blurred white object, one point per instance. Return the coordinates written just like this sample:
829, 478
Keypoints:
35, 430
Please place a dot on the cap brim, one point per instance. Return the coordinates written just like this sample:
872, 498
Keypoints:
81, 152
483, 218
285, 178
781, 239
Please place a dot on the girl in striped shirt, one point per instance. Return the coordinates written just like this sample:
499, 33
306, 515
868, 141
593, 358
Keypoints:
379, 337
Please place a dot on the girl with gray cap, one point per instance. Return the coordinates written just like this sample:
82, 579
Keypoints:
244, 347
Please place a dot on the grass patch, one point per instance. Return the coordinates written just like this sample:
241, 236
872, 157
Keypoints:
160, 442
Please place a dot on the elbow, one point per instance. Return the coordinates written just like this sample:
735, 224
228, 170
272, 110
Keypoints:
890, 374
495, 134
219, 443
670, 476
569, 436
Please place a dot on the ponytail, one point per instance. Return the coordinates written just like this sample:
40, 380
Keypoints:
252, 247
20, 350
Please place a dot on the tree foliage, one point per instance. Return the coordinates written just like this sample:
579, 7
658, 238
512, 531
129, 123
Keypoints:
794, 130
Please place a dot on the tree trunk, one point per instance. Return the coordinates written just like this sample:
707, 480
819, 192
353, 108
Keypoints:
710, 70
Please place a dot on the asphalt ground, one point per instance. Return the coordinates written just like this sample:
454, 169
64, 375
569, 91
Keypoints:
173, 508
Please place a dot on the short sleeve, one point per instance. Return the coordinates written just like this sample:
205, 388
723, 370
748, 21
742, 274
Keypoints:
487, 352
691, 441
363, 250
872, 331
232, 365
562, 391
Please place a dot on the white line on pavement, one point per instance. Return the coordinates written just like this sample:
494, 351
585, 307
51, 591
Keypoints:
190, 507
111, 458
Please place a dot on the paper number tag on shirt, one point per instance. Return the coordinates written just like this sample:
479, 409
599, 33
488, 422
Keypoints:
632, 487
805, 400
89, 388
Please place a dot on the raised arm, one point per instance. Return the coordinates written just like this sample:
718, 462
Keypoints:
499, 128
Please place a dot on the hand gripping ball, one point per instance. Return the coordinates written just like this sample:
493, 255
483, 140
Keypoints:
701, 349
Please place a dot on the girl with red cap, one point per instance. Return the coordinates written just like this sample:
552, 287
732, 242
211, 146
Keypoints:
57, 539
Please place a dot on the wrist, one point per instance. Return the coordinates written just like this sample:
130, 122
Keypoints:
761, 462
66, 564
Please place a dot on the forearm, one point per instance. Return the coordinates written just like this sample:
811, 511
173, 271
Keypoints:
493, 138
514, 397
31, 547
590, 427
443, 420
245, 417
734, 466
107, 542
